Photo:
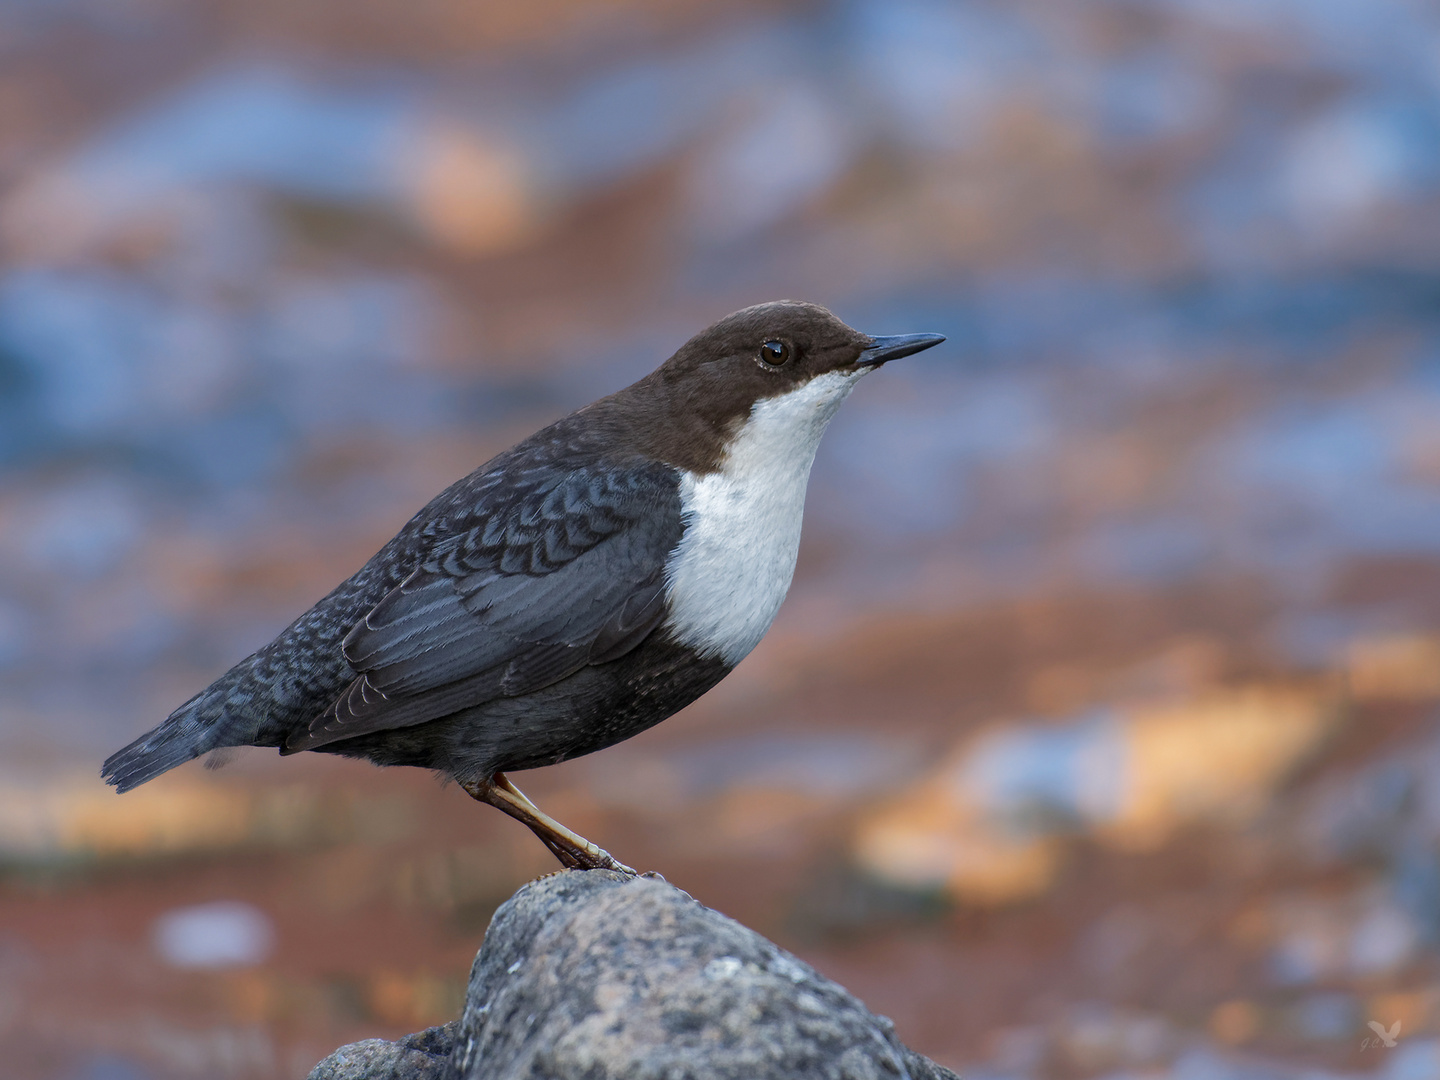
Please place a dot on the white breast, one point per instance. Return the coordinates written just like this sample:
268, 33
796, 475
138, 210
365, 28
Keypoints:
733, 566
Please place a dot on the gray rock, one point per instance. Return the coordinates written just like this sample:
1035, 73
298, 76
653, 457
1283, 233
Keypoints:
422, 1056
597, 975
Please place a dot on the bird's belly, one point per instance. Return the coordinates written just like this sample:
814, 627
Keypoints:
606, 704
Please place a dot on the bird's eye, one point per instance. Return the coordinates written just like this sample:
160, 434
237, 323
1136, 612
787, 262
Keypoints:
774, 353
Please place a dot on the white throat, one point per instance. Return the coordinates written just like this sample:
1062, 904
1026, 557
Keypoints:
732, 568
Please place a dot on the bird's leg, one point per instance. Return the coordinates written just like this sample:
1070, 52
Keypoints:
563, 852
572, 849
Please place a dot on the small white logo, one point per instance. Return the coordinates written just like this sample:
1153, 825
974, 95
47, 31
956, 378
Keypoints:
1387, 1037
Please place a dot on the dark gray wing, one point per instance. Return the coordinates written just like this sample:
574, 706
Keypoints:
568, 570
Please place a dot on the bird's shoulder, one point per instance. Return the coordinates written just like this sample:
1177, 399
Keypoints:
541, 504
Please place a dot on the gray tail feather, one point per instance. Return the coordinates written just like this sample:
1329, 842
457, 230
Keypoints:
181, 738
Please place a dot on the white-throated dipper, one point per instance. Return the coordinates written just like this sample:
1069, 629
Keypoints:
571, 592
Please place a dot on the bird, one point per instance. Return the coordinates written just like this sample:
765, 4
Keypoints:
572, 592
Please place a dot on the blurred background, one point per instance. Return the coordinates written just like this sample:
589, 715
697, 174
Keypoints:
1097, 736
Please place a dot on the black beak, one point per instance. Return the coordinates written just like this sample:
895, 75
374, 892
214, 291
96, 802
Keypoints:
883, 349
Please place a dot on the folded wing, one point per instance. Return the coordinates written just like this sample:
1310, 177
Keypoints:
568, 570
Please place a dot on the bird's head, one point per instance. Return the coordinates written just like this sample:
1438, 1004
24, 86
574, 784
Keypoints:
778, 370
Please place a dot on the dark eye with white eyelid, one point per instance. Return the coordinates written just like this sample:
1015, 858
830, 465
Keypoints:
774, 353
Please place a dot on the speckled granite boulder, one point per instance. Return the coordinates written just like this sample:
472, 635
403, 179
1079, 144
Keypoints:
597, 975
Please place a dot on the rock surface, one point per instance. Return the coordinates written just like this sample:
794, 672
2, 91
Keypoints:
597, 975
422, 1056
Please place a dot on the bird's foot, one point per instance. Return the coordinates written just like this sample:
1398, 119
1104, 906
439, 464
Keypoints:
594, 858
574, 857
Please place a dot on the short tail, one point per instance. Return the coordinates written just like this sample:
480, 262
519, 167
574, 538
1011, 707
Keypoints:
184, 736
